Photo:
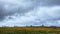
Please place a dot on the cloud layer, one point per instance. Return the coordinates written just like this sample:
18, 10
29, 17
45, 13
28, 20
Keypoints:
29, 12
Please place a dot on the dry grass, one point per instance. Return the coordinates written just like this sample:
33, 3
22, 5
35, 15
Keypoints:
30, 29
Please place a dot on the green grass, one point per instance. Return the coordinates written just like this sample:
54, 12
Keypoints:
29, 30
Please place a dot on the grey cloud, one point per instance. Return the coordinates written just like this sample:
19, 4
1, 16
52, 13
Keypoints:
50, 2
12, 8
7, 9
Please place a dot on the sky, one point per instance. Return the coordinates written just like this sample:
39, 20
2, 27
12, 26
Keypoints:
29, 12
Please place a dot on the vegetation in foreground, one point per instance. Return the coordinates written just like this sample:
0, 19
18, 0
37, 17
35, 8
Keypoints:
29, 30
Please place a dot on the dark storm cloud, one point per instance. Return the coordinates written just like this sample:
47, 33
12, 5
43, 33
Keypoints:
7, 8
5, 12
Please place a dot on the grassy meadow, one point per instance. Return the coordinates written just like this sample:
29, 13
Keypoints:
29, 30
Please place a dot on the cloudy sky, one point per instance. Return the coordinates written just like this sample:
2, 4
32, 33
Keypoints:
29, 12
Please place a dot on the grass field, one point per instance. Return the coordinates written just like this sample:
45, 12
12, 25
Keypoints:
29, 30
